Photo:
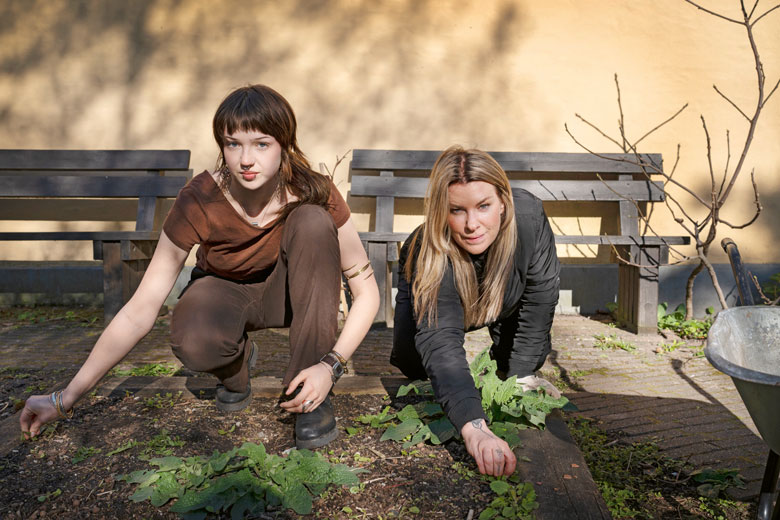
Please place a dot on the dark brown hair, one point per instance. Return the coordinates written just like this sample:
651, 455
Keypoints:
260, 108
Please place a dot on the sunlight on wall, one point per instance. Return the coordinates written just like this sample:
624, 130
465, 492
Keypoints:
406, 74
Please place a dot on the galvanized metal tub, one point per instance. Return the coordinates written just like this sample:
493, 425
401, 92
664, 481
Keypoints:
744, 343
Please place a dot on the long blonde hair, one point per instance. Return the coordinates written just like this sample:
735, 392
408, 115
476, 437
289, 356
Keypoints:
481, 302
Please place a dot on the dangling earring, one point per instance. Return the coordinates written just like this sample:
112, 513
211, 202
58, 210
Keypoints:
224, 175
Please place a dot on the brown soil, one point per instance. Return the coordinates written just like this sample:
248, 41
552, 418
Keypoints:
422, 482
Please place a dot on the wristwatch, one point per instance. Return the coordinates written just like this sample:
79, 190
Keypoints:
337, 364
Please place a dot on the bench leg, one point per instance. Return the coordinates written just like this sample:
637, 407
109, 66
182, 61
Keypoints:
112, 280
377, 254
124, 265
638, 287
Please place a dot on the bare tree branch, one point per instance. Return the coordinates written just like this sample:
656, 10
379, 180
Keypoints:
724, 96
728, 160
661, 124
766, 99
766, 299
763, 15
597, 129
709, 162
756, 201
713, 13
621, 121
702, 232
753, 9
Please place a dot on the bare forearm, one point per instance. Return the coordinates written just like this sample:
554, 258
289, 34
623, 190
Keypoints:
359, 320
119, 338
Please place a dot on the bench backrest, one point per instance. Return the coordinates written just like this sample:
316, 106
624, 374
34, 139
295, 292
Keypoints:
609, 178
144, 175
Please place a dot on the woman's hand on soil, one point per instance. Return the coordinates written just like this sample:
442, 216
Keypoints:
316, 382
38, 410
492, 454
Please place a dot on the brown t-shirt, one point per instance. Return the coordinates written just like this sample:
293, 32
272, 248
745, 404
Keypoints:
230, 246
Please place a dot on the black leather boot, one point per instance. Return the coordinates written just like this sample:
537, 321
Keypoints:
317, 428
228, 401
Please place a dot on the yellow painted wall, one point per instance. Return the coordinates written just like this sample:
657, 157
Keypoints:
407, 74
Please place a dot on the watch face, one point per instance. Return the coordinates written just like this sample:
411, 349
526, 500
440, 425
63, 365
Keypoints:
338, 370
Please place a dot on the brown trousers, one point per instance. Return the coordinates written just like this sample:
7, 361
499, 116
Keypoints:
211, 320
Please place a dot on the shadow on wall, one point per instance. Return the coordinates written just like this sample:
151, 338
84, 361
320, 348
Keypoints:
149, 74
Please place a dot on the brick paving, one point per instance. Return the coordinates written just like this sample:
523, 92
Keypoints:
677, 400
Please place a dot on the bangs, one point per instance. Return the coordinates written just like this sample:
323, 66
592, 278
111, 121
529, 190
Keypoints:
243, 116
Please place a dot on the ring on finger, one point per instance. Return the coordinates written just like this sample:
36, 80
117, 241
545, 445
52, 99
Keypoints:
306, 404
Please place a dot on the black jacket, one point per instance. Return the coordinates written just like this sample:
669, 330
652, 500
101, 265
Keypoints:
521, 335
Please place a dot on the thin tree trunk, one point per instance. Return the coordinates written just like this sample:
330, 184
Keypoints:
689, 290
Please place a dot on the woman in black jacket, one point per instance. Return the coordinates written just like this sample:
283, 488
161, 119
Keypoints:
483, 257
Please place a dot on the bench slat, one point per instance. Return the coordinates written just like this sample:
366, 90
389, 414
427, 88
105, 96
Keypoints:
400, 160
80, 235
617, 240
549, 190
94, 159
72, 186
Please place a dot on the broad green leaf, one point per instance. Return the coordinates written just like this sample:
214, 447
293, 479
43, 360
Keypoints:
401, 431
297, 498
167, 463
342, 475
142, 494
488, 513
165, 489
253, 452
197, 515
408, 412
442, 430
429, 409
422, 435
143, 477
499, 487
505, 391
246, 504
405, 389
218, 460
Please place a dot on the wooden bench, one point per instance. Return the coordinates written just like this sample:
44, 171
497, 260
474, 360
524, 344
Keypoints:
571, 178
45, 178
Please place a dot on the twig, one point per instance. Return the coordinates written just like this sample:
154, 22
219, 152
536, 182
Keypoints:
763, 15
761, 293
713, 13
661, 124
756, 201
622, 120
724, 96
766, 99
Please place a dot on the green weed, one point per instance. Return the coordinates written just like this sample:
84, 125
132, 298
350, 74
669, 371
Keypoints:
612, 342
162, 401
52, 494
513, 501
124, 447
149, 369
676, 322
242, 482
772, 288
506, 406
666, 348
84, 453
161, 445
632, 476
